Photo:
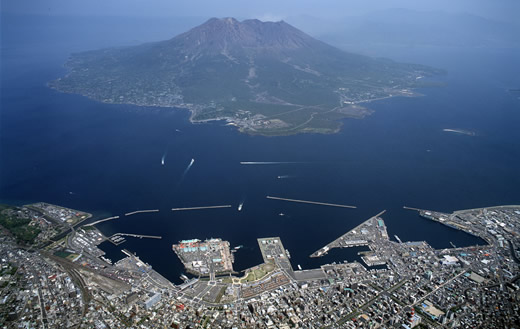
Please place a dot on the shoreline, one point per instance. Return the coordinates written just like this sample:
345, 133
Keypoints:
361, 112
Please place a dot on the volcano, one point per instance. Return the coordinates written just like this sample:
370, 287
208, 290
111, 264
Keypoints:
265, 78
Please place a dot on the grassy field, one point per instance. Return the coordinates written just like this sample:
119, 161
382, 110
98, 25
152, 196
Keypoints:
257, 273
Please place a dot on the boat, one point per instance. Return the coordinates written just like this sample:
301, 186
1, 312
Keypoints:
184, 277
238, 247
162, 161
287, 253
397, 238
299, 267
281, 214
240, 206
106, 260
192, 161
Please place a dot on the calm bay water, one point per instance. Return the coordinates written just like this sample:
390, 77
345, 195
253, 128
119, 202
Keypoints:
106, 159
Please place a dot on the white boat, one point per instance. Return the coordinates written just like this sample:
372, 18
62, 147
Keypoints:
299, 267
192, 161
240, 206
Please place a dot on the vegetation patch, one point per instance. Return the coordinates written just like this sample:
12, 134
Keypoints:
20, 227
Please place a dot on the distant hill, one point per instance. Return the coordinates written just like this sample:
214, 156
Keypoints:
264, 77
412, 28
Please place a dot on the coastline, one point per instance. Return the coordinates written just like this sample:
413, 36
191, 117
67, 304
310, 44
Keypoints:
266, 127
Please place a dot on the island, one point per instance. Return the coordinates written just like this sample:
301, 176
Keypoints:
266, 78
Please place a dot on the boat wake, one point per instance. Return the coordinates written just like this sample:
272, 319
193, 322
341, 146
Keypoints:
241, 204
460, 131
186, 170
163, 158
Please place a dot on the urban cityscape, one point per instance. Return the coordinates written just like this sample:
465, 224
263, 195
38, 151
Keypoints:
68, 282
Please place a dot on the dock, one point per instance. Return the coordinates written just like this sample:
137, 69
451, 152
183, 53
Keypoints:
311, 202
200, 208
141, 212
101, 221
118, 238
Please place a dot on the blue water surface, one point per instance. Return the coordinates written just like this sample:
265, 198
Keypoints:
106, 159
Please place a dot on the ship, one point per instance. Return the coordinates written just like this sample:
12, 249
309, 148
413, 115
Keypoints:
107, 260
397, 238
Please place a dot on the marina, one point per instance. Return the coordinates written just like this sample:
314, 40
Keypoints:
118, 238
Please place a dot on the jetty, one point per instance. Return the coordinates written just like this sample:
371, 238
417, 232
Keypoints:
200, 208
311, 202
101, 221
353, 238
141, 212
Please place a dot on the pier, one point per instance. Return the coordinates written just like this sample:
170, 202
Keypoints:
311, 202
118, 238
101, 221
141, 212
358, 240
416, 209
200, 208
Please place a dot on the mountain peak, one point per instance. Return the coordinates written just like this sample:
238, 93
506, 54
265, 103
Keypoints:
218, 34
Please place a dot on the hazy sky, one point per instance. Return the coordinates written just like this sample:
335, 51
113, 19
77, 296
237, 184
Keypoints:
506, 10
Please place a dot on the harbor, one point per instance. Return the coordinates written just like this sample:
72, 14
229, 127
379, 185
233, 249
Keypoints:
360, 235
